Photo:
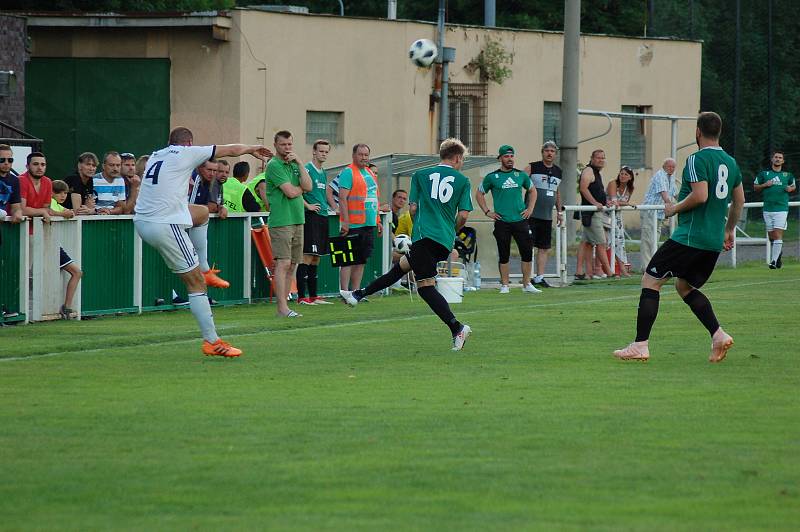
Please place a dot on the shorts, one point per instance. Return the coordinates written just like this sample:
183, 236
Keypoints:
287, 242
542, 231
65, 260
674, 259
424, 256
504, 231
775, 220
366, 242
172, 242
315, 234
595, 233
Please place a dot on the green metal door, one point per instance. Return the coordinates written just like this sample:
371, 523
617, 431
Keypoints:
98, 105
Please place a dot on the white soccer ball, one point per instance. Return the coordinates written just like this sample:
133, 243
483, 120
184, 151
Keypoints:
402, 244
422, 52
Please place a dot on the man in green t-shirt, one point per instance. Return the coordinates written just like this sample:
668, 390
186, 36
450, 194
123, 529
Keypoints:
287, 180
711, 179
513, 198
315, 230
440, 201
776, 185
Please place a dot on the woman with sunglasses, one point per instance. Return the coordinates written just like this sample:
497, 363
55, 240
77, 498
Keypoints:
619, 193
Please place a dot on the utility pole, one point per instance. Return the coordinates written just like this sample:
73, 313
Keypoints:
569, 109
489, 12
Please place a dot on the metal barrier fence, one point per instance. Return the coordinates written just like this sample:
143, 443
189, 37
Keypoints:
121, 275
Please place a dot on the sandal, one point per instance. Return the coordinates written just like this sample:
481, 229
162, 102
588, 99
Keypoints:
580, 277
291, 314
65, 312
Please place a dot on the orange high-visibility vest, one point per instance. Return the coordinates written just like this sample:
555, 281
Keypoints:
358, 196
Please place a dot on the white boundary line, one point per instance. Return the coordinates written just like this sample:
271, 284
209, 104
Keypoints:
385, 320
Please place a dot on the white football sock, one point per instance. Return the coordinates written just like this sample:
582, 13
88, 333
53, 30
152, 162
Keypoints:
777, 247
199, 237
201, 310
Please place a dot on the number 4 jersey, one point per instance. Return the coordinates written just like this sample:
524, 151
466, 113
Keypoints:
704, 226
439, 192
165, 184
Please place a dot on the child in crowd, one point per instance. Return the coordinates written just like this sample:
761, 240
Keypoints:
60, 191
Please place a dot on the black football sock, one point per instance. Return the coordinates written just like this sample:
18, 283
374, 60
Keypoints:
311, 280
384, 281
648, 312
436, 301
302, 271
701, 307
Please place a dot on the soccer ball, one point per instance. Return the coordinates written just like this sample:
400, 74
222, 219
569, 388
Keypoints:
422, 52
402, 244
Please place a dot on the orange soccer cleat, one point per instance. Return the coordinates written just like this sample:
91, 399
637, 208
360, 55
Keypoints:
212, 279
720, 344
220, 348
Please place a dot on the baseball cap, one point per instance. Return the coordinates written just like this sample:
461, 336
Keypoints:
505, 149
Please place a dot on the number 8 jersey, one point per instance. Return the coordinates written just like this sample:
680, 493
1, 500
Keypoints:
165, 184
704, 226
439, 193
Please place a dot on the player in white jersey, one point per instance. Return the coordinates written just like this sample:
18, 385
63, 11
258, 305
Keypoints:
163, 216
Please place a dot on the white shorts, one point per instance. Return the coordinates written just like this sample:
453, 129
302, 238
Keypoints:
775, 220
172, 242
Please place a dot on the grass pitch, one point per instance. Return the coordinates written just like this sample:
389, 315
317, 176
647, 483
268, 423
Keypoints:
363, 419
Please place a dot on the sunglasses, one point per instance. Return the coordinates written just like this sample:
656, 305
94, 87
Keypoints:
6, 159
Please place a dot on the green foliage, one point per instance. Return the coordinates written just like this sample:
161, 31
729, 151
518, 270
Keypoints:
493, 62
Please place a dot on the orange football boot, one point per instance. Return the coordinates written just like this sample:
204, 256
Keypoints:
212, 279
220, 348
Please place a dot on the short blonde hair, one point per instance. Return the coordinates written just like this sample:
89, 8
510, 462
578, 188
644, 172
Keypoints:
452, 147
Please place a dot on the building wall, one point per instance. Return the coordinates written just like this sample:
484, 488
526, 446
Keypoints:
14, 39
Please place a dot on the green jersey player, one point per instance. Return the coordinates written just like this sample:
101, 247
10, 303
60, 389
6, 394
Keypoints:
775, 185
711, 179
440, 202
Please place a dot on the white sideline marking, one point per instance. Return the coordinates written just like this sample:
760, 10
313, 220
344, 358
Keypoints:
388, 320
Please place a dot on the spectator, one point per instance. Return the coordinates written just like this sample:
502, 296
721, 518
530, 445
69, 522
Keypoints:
132, 181
223, 171
10, 199
399, 201
109, 186
332, 194
775, 184
546, 177
287, 179
358, 213
512, 208
315, 230
207, 190
141, 164
258, 188
235, 195
661, 191
60, 193
592, 193
619, 192
36, 189
81, 185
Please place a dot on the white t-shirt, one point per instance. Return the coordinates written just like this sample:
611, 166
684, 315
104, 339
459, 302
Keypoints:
165, 184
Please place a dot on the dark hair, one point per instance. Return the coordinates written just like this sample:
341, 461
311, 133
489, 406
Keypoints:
223, 162
88, 156
110, 154
595, 152
360, 145
396, 192
282, 134
710, 125
773, 153
127, 156
33, 154
60, 186
450, 148
629, 171
180, 135
241, 169
323, 142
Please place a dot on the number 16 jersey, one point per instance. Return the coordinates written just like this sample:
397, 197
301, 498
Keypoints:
439, 193
704, 226
165, 184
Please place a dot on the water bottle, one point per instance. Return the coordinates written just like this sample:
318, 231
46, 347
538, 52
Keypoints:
476, 275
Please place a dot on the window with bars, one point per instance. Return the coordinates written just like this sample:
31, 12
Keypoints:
324, 125
633, 145
551, 122
468, 111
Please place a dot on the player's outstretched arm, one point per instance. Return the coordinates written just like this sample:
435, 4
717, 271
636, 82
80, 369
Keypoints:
235, 150
734, 213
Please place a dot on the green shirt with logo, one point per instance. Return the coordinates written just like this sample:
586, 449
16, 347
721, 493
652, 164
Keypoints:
507, 192
439, 193
704, 226
319, 181
776, 199
283, 210
370, 203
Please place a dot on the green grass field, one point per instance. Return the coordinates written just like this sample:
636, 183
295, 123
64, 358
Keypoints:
363, 419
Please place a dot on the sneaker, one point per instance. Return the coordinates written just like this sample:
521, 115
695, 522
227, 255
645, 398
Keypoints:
720, 344
179, 301
634, 351
212, 279
772, 265
220, 348
581, 277
307, 301
504, 289
65, 313
349, 298
542, 284
319, 300
461, 338
8, 314
291, 314
601, 276
529, 288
